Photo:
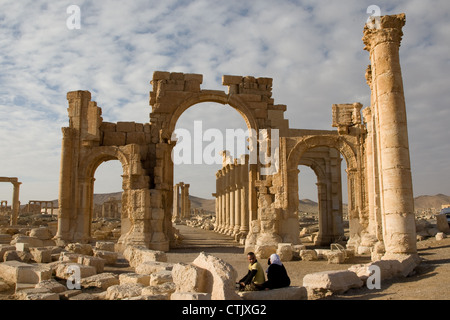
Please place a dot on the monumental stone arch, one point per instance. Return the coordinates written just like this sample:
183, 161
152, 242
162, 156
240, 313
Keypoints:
372, 140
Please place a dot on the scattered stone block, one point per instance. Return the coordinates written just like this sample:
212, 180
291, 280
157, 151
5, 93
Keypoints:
288, 293
5, 238
81, 248
440, 236
102, 281
134, 278
441, 223
109, 256
220, 277
139, 255
41, 255
51, 285
150, 267
165, 289
308, 255
161, 277
96, 262
4, 248
4, 286
19, 272
31, 241
121, 291
42, 233
335, 257
188, 278
36, 294
284, 250
83, 296
105, 246
322, 284
62, 270
66, 295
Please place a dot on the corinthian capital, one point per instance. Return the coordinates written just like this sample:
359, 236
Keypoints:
388, 30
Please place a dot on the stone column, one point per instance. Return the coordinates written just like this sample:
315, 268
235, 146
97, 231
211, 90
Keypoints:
396, 183
176, 204
187, 213
245, 215
232, 187
237, 198
227, 200
15, 203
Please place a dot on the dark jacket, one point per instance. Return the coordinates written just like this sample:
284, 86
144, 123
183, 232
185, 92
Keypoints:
277, 277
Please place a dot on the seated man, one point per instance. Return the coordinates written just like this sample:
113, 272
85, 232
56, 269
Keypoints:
255, 276
277, 276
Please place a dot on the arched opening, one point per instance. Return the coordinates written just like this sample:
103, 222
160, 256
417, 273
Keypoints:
107, 201
324, 155
203, 131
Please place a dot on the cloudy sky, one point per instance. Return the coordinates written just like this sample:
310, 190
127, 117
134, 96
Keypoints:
311, 49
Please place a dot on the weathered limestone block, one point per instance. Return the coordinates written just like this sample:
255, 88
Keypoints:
41, 255
105, 245
31, 241
442, 223
150, 267
288, 293
190, 296
148, 297
335, 257
109, 257
96, 262
321, 284
121, 291
4, 286
42, 233
161, 277
51, 285
36, 294
62, 270
165, 289
84, 296
5, 238
138, 255
407, 262
19, 272
432, 232
122, 126
285, 251
102, 281
220, 277
189, 278
66, 295
15, 255
114, 138
3, 249
440, 236
296, 250
143, 279
308, 255
80, 248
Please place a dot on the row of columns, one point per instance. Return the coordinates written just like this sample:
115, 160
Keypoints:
110, 209
232, 198
40, 203
181, 202
15, 201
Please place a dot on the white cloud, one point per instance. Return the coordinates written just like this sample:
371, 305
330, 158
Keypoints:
311, 49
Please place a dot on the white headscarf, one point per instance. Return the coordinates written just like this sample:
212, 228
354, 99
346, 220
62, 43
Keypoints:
275, 259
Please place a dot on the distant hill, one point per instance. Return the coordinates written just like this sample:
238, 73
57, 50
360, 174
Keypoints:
306, 205
427, 202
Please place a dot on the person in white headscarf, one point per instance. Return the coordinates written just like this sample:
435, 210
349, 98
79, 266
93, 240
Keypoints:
277, 276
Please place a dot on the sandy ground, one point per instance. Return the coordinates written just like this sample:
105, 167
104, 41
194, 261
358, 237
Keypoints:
431, 281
